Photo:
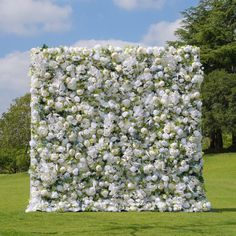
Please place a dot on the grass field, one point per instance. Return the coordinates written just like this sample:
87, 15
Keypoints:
220, 179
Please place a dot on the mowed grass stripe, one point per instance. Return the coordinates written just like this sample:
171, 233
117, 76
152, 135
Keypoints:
220, 181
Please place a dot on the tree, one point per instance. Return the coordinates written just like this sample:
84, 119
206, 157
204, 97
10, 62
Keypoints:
219, 113
15, 135
212, 26
232, 113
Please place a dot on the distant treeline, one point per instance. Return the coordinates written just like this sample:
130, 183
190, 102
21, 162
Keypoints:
15, 136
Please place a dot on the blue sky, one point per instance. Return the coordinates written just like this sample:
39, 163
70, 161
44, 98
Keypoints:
30, 23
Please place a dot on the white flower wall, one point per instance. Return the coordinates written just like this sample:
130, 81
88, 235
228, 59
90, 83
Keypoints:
116, 129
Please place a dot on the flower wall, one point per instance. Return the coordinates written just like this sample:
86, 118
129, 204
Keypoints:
116, 129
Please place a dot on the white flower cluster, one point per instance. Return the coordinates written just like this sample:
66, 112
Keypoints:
116, 129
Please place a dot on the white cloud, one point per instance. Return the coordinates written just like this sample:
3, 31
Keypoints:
161, 32
27, 17
139, 4
14, 80
114, 42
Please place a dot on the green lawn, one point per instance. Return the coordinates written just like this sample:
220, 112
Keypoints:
220, 178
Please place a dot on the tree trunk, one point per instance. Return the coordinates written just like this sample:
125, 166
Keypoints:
212, 140
219, 140
216, 140
26, 154
233, 145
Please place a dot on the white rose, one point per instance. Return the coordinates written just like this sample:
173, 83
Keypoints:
144, 130
98, 168
63, 169
131, 130
133, 169
160, 74
59, 106
126, 102
131, 186
75, 171
54, 195
44, 193
71, 152
72, 84
154, 177
86, 143
47, 75
80, 92
54, 156
165, 178
42, 131
91, 191
78, 155
104, 193
78, 117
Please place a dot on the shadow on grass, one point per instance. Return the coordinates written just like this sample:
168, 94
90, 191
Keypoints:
223, 210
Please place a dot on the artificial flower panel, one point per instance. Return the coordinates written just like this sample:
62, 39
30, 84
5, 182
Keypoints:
116, 129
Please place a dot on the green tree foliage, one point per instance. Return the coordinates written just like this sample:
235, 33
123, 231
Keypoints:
219, 112
211, 25
15, 136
